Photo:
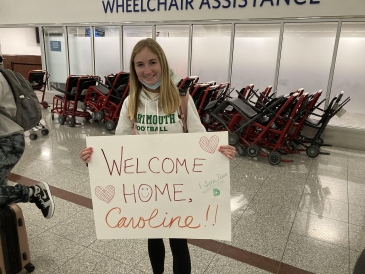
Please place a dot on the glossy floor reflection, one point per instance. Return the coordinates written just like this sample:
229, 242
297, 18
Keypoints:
309, 214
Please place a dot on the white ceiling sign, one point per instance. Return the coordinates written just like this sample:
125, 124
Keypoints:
120, 11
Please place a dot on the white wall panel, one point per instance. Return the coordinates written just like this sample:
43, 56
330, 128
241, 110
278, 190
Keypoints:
20, 41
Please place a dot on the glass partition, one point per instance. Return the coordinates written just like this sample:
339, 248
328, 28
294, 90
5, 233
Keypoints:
131, 35
79, 47
349, 75
306, 57
210, 52
55, 55
107, 50
174, 39
254, 56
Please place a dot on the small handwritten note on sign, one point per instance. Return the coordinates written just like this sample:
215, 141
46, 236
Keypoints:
161, 186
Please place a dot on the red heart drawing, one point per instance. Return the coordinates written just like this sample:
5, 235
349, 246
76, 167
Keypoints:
105, 194
209, 145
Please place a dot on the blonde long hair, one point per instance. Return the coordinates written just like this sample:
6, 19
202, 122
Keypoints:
169, 100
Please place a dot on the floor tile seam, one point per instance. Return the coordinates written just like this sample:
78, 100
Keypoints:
43, 145
62, 236
314, 170
278, 200
79, 171
363, 226
110, 257
270, 263
38, 160
67, 260
356, 177
49, 145
139, 261
291, 228
264, 180
55, 174
355, 167
332, 244
341, 178
331, 199
67, 238
206, 269
47, 230
332, 219
247, 206
234, 167
232, 227
310, 169
246, 262
129, 266
263, 222
47, 161
323, 217
354, 250
76, 255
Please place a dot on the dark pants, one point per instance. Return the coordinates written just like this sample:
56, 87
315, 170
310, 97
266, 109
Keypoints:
180, 254
11, 149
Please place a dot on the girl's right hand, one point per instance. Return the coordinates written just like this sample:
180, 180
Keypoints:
85, 154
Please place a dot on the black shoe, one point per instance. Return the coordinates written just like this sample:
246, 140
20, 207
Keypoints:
43, 199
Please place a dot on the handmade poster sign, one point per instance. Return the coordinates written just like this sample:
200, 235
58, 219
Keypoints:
161, 186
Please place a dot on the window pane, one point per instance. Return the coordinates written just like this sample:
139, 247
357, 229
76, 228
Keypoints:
131, 35
56, 55
254, 56
107, 50
349, 74
210, 53
79, 46
174, 40
306, 57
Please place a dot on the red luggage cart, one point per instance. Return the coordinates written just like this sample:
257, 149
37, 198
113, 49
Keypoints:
38, 80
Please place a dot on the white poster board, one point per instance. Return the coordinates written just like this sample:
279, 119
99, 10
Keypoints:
161, 186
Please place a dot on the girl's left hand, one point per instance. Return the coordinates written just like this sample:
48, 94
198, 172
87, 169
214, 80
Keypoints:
228, 150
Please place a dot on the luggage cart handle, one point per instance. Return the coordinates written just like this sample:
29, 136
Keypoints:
320, 103
253, 93
107, 79
267, 98
58, 89
253, 107
222, 96
339, 97
342, 104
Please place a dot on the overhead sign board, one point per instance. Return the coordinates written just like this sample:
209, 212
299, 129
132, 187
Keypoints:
114, 11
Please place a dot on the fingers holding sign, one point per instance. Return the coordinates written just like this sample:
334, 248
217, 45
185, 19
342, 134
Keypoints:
228, 151
86, 153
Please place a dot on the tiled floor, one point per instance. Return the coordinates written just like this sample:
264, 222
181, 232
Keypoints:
309, 214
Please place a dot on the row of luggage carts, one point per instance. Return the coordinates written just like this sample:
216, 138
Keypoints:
92, 99
271, 126
262, 123
259, 123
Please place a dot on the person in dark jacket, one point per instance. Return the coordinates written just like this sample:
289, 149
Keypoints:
11, 150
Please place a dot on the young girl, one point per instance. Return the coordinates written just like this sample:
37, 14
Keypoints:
152, 107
